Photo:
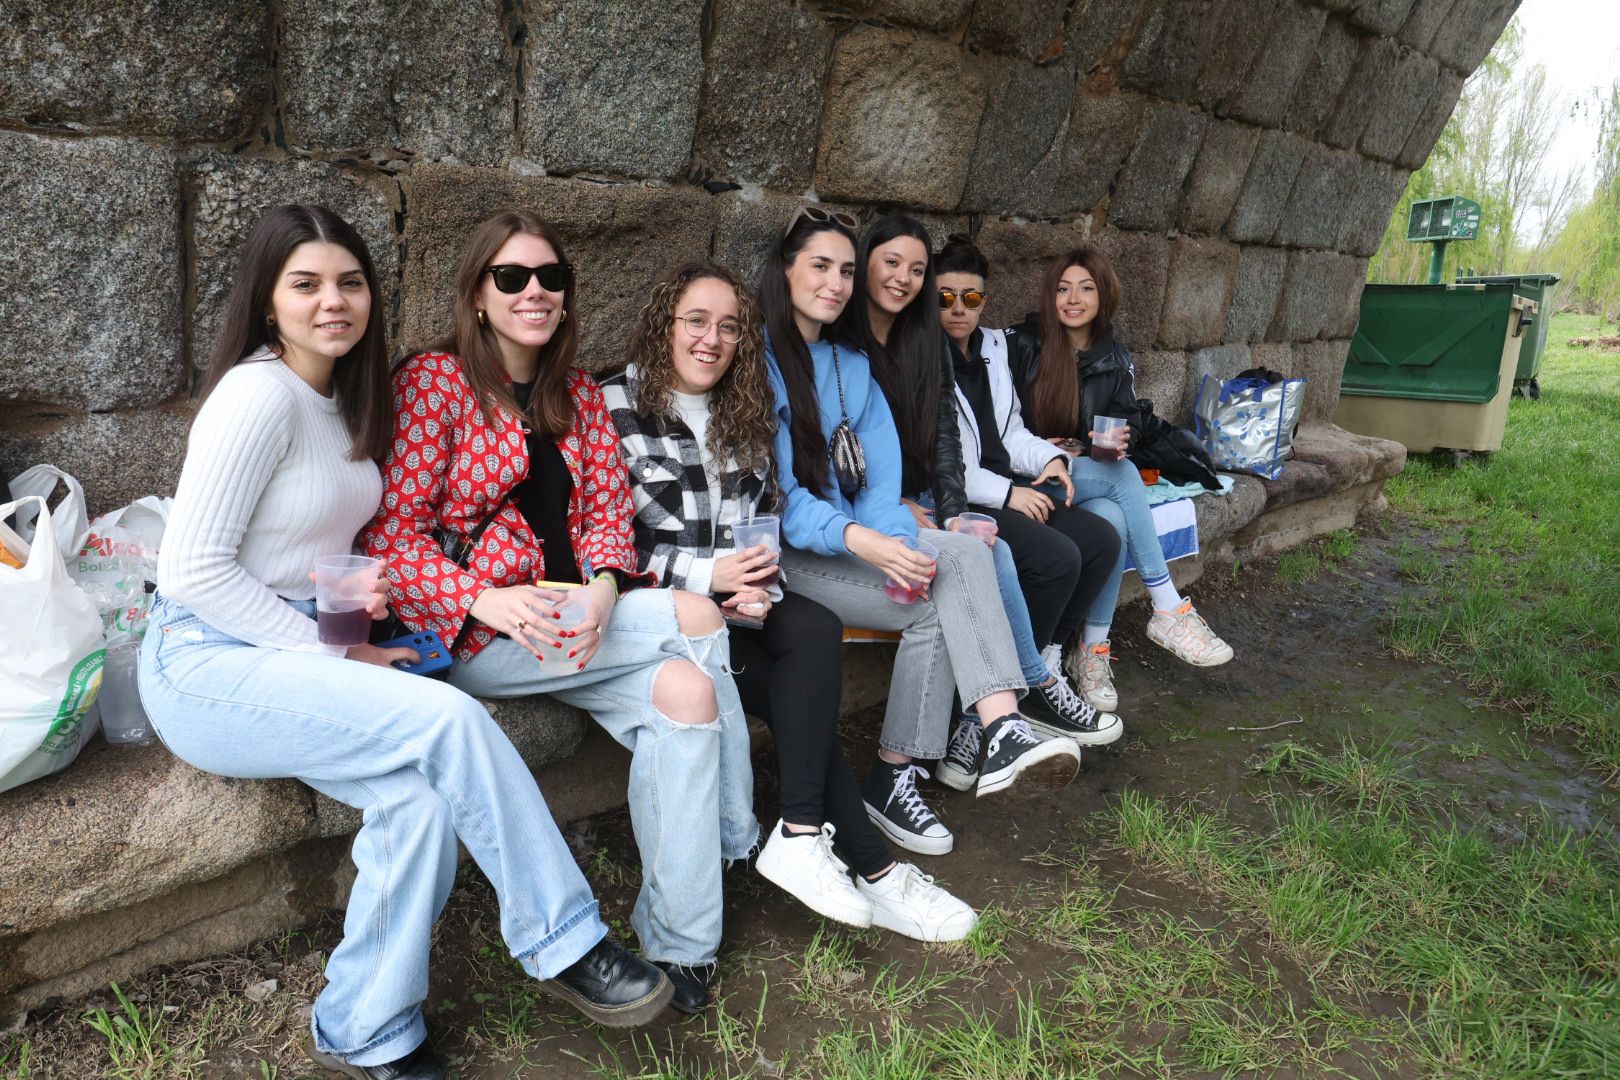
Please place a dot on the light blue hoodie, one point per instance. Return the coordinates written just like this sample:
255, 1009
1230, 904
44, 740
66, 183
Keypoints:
817, 523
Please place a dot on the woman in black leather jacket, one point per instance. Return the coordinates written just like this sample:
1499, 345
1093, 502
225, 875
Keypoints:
894, 317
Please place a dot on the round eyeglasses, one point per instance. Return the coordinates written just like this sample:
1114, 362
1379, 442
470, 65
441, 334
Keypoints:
971, 298
697, 326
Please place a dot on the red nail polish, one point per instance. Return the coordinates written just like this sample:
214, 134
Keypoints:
581, 666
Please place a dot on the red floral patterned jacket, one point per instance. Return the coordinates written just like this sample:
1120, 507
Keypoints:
448, 468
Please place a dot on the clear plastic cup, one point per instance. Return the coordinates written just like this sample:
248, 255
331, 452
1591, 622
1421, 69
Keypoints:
571, 614
761, 529
343, 588
1108, 439
982, 526
123, 719
916, 590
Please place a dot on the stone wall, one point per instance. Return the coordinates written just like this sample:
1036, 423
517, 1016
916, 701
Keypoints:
1239, 159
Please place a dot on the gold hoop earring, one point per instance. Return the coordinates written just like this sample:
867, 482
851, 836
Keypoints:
483, 320
269, 320
562, 316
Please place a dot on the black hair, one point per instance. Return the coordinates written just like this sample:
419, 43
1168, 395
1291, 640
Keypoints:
360, 377
793, 353
961, 255
908, 366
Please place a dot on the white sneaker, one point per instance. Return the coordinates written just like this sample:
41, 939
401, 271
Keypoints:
1091, 669
907, 901
805, 867
1185, 633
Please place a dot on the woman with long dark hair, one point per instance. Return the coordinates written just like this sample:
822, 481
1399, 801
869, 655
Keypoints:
849, 536
281, 470
504, 450
693, 409
896, 321
1069, 368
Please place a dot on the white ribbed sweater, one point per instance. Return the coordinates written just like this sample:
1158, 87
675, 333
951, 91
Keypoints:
267, 488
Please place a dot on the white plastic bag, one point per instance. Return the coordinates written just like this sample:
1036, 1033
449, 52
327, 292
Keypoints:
70, 519
116, 566
50, 654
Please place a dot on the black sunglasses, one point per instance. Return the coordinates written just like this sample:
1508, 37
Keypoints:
512, 278
971, 298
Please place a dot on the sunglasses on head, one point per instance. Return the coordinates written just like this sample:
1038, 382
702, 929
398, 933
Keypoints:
971, 298
822, 216
512, 278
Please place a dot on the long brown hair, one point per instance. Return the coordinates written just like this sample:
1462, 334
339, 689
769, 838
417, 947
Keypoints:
742, 422
360, 377
550, 409
1055, 392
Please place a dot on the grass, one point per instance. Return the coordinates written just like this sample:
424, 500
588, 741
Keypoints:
1508, 953
1528, 606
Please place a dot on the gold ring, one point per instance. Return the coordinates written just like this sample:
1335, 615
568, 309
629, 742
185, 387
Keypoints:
522, 626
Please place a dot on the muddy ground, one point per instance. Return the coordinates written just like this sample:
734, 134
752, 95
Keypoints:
1309, 667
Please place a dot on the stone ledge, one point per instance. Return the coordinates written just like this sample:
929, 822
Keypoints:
132, 859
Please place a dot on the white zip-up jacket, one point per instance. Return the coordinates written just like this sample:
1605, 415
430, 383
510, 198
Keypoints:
1029, 452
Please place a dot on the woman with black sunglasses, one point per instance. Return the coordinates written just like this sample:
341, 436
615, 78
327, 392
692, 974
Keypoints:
854, 548
504, 453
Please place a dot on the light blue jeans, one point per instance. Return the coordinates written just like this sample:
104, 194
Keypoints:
691, 785
1012, 598
1114, 490
425, 764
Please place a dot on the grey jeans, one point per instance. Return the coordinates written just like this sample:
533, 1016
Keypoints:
960, 633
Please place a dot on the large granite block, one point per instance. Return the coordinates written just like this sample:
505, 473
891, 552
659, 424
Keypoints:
762, 92
1277, 160
901, 117
118, 456
1254, 293
431, 78
1235, 44
1019, 150
1029, 29
1374, 67
747, 222
1148, 191
1425, 20
1324, 78
1319, 296
1315, 211
1099, 29
1142, 261
92, 275
619, 237
1172, 43
1272, 82
1381, 16
1197, 292
1467, 37
1322, 363
612, 86
1410, 86
232, 193
135, 67
1432, 118
1161, 377
1102, 130
1217, 176
934, 15
1365, 213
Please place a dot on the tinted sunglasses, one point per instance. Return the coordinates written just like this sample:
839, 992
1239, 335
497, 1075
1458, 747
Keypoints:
512, 278
971, 298
821, 216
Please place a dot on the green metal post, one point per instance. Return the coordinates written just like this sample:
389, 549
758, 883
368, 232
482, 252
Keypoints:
1437, 263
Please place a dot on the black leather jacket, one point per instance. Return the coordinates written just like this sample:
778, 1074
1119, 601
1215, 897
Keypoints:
950, 478
1107, 378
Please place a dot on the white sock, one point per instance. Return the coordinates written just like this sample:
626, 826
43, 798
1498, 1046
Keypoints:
1052, 657
1164, 594
1094, 635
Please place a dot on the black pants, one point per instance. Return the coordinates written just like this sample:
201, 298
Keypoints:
790, 673
1062, 565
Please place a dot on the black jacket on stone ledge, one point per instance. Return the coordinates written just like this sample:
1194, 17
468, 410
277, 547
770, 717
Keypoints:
1108, 388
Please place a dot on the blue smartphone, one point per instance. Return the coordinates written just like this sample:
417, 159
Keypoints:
435, 658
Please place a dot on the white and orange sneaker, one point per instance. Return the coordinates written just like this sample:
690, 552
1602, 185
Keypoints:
1185, 633
1091, 669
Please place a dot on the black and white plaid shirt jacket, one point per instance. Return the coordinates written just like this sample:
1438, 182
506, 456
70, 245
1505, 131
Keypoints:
678, 534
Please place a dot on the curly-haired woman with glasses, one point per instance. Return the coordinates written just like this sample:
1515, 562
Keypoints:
503, 453
694, 410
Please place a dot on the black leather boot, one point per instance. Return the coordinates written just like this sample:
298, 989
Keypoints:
612, 986
419, 1064
691, 984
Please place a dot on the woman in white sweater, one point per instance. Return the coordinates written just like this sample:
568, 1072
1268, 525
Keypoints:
281, 470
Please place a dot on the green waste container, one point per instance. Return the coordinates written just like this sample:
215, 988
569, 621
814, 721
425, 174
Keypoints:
1431, 366
1537, 287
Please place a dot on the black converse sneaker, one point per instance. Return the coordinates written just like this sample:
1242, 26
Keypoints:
1057, 710
895, 808
1010, 752
959, 768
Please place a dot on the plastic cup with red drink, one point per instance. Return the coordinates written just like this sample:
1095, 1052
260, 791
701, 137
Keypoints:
912, 591
1108, 434
344, 586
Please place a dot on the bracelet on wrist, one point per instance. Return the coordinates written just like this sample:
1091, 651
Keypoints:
611, 578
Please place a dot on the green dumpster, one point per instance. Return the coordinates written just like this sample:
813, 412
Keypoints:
1537, 287
1431, 366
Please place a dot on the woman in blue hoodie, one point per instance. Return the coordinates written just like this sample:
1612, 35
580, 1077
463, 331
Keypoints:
848, 536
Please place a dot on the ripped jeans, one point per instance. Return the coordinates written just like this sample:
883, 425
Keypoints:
691, 785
